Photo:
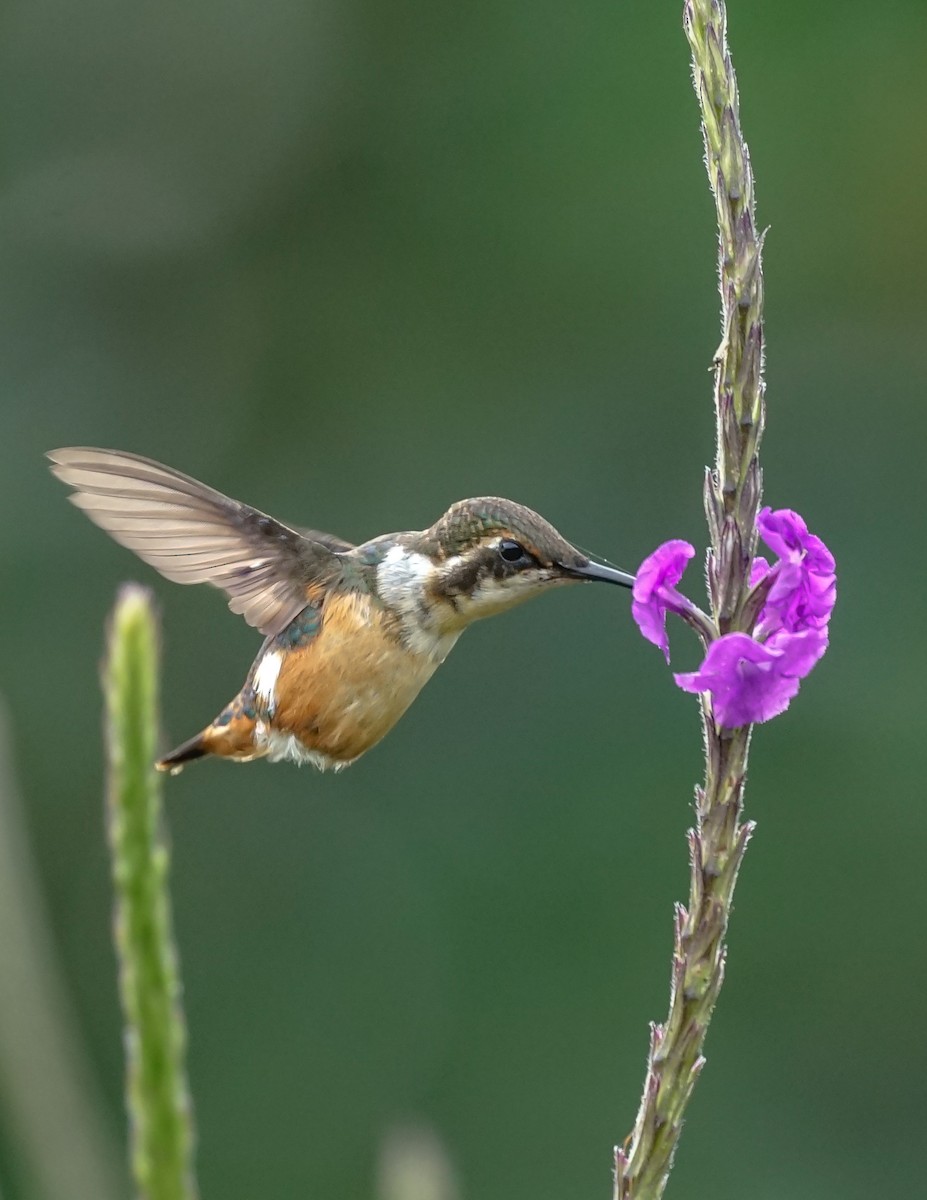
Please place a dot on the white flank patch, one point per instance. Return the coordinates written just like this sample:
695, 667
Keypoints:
265, 679
287, 746
283, 747
402, 579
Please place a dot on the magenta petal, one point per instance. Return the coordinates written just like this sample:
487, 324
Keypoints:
758, 570
664, 567
655, 593
785, 532
799, 600
798, 652
752, 682
804, 591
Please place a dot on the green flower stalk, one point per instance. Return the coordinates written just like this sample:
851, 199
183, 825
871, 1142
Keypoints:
157, 1099
732, 498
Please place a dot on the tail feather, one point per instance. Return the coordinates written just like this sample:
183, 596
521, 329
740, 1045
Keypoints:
231, 735
187, 751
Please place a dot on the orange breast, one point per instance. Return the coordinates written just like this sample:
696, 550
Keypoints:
344, 690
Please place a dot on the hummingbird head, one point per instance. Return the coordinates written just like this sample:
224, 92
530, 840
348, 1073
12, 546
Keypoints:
490, 554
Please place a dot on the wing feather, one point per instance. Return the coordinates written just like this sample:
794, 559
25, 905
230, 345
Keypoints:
194, 534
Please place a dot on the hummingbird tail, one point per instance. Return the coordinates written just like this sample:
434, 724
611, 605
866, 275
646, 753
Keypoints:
231, 735
189, 750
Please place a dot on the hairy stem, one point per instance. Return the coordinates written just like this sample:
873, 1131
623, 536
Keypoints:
156, 1088
732, 498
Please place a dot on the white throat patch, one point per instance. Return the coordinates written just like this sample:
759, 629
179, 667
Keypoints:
402, 582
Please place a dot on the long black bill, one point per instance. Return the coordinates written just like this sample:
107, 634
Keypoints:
596, 571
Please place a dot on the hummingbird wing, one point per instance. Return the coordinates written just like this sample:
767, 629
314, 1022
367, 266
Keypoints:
329, 540
193, 534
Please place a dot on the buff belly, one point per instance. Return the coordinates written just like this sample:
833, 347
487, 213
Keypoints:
330, 700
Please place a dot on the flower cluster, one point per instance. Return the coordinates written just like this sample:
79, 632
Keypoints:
751, 676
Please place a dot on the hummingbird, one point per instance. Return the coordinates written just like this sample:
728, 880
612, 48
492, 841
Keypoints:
352, 633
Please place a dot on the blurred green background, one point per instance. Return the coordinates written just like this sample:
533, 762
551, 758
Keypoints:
350, 262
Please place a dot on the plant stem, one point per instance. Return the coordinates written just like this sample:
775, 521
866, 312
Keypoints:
156, 1088
732, 497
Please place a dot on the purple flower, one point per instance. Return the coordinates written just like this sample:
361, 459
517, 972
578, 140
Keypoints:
655, 592
752, 676
804, 588
786, 533
759, 570
750, 681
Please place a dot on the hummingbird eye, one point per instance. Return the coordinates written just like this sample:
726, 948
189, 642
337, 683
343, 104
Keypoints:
512, 552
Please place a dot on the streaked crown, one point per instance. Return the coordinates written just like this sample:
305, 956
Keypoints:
472, 523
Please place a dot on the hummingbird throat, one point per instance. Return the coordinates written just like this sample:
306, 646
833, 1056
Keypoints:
435, 601
405, 585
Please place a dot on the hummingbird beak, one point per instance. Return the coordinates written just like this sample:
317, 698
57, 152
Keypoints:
591, 570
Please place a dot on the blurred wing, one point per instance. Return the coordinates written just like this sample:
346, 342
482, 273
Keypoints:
193, 534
